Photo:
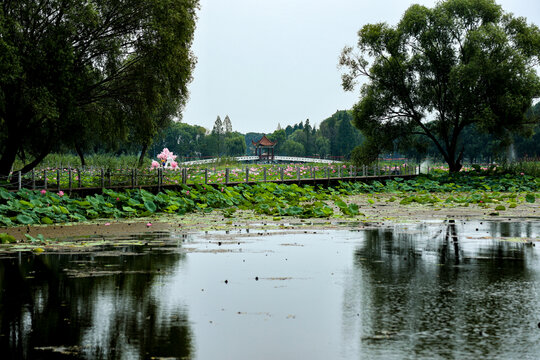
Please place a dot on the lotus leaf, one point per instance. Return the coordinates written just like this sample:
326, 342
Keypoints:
6, 239
25, 219
149, 205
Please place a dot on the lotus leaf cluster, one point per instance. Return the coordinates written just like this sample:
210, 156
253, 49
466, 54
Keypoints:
27, 207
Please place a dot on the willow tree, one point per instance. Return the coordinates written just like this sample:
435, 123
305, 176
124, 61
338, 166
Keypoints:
441, 69
75, 70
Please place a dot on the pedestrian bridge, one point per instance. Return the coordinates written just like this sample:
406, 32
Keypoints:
291, 159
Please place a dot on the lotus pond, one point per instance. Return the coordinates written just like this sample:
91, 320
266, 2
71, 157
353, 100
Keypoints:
497, 193
433, 290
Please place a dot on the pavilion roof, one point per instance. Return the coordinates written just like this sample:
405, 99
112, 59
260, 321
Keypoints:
264, 141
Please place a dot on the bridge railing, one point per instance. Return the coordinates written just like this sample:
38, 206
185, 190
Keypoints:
68, 179
306, 160
293, 159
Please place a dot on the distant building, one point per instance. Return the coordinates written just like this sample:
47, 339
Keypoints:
264, 149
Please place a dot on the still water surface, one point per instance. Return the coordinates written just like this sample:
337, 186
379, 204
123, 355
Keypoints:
431, 290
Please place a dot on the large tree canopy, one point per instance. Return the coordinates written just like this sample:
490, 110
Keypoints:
442, 69
72, 71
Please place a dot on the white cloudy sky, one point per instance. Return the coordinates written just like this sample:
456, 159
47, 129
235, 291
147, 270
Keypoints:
264, 62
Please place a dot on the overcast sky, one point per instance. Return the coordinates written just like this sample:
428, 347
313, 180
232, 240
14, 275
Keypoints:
264, 62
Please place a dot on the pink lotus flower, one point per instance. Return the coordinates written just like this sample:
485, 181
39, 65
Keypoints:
174, 164
187, 192
43, 192
155, 165
148, 224
60, 193
165, 154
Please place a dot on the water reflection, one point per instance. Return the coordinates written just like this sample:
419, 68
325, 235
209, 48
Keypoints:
441, 294
450, 240
431, 290
103, 305
512, 229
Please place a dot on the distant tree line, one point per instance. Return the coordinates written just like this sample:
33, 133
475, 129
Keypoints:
193, 141
335, 137
482, 146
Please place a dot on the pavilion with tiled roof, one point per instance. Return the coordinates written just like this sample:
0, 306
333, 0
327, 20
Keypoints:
264, 148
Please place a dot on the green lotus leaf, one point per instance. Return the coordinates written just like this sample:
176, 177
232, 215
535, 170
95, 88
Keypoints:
6, 239
150, 206
294, 210
25, 219
46, 220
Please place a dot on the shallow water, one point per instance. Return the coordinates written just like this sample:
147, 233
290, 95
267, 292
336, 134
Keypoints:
432, 290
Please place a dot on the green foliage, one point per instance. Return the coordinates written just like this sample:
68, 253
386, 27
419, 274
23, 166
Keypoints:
235, 144
27, 207
103, 161
150, 206
72, 84
293, 148
25, 219
347, 209
367, 153
6, 239
524, 167
464, 189
462, 62
182, 139
39, 239
279, 137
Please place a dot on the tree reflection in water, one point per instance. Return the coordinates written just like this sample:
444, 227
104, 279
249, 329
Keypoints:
439, 294
450, 237
46, 311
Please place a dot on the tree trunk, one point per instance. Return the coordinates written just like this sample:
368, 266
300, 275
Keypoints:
455, 167
455, 164
81, 154
11, 147
35, 162
143, 153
